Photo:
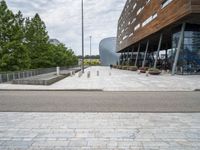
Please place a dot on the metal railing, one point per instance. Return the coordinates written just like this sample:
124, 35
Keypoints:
10, 76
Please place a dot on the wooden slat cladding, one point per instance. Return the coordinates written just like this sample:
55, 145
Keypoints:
129, 31
195, 6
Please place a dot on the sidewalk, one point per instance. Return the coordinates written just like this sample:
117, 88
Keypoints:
117, 80
101, 131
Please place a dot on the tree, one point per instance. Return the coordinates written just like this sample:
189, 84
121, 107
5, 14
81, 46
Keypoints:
6, 23
37, 42
19, 55
24, 43
62, 56
13, 54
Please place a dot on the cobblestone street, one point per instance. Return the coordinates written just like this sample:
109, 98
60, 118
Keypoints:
138, 131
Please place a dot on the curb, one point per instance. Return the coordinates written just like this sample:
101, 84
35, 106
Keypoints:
95, 90
43, 90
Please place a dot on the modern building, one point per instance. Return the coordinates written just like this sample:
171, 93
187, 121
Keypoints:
107, 51
54, 41
147, 27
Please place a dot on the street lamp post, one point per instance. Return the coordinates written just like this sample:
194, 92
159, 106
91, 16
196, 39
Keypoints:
90, 50
82, 36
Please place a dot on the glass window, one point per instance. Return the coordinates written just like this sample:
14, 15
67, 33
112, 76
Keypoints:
165, 3
189, 59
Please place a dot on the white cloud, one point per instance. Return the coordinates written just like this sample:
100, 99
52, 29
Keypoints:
63, 19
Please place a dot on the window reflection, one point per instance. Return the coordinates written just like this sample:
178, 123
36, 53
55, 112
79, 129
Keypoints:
189, 59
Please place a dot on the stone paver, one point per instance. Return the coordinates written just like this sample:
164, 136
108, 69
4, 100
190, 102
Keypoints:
119, 80
137, 131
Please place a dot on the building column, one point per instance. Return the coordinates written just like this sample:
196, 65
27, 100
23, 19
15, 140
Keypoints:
124, 58
178, 48
158, 50
166, 58
145, 55
120, 59
132, 55
136, 60
128, 58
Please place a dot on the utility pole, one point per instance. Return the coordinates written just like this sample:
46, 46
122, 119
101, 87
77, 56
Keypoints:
90, 50
82, 11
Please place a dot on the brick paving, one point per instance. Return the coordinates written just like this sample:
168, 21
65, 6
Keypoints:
137, 131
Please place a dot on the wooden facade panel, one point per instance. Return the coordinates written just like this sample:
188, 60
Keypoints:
195, 6
171, 13
195, 2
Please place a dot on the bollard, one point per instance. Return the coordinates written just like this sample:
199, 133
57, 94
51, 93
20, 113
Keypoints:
71, 73
79, 74
13, 76
97, 73
181, 70
163, 72
8, 77
147, 73
0, 78
58, 71
88, 74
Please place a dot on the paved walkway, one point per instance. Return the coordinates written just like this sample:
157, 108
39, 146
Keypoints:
33, 131
118, 80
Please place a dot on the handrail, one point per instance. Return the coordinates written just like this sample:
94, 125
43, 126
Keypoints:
10, 76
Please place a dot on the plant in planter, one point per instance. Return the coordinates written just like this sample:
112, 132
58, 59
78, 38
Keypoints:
143, 69
125, 67
154, 71
133, 68
119, 67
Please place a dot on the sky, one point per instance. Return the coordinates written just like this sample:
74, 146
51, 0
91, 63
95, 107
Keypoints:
63, 19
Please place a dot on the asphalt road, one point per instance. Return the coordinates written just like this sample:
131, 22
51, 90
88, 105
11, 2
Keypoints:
61, 101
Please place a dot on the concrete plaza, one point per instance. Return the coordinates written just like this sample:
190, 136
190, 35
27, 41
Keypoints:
136, 131
117, 80
81, 127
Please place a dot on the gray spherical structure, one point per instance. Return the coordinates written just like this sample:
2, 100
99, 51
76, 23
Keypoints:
107, 51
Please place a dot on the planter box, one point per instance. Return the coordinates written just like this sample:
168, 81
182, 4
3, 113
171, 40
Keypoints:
133, 68
125, 67
153, 71
114, 66
143, 69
